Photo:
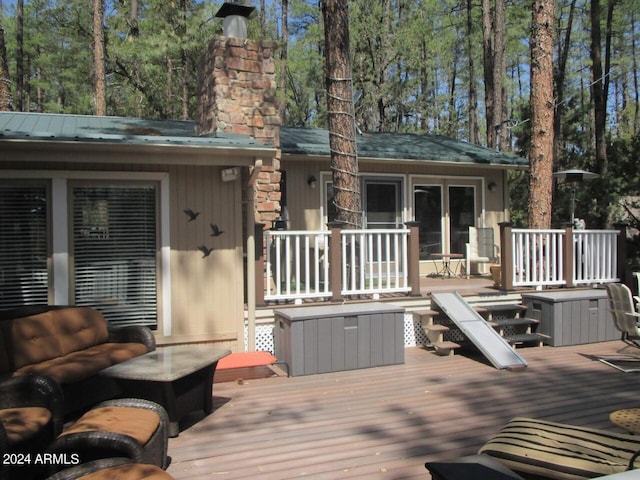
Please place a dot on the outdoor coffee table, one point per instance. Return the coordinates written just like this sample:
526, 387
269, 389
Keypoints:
178, 377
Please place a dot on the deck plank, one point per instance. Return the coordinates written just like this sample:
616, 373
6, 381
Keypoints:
386, 422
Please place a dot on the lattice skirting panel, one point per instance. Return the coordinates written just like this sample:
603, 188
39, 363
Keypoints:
413, 334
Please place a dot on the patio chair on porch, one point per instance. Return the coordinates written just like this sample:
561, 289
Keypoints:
625, 317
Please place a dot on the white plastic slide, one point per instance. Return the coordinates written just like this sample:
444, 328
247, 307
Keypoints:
478, 331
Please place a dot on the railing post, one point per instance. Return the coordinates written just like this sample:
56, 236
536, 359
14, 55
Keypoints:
413, 268
335, 261
259, 263
569, 257
506, 256
622, 253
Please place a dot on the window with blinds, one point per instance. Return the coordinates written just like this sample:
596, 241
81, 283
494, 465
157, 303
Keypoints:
115, 245
24, 244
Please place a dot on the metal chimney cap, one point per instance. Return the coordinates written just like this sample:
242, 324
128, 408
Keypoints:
232, 8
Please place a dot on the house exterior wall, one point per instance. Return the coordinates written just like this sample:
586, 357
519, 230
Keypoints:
304, 205
199, 299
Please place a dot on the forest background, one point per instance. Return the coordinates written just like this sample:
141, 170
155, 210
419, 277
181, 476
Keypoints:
419, 66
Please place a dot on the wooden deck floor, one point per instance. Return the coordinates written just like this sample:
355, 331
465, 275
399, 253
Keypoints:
385, 423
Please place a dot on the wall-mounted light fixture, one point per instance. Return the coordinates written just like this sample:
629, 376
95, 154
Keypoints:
230, 174
492, 186
312, 182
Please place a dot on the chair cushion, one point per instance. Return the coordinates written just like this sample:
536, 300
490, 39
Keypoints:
79, 328
561, 451
23, 423
136, 471
77, 366
138, 423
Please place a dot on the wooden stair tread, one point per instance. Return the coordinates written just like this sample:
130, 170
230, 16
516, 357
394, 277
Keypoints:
445, 348
436, 327
446, 344
525, 338
514, 322
501, 307
426, 312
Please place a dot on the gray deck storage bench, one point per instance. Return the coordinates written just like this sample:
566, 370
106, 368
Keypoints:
322, 339
572, 317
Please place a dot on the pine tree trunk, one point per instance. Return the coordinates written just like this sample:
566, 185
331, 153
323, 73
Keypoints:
98, 59
488, 59
542, 113
284, 45
597, 88
560, 77
5, 81
341, 121
474, 129
20, 55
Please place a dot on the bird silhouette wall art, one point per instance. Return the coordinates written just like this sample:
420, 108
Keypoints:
215, 230
191, 214
206, 251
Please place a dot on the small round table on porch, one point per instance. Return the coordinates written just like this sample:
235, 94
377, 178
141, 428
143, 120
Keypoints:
446, 258
628, 419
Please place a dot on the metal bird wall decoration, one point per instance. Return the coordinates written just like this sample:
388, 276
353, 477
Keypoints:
191, 214
206, 251
215, 231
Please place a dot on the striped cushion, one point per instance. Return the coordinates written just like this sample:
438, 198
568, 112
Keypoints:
561, 451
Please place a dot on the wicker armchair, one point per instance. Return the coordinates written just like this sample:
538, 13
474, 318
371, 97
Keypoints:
30, 418
110, 430
109, 468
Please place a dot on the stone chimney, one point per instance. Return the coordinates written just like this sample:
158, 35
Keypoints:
237, 94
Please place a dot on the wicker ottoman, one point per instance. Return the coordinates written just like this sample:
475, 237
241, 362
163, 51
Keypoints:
132, 428
111, 468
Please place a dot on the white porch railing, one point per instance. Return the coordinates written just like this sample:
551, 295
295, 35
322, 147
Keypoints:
539, 257
374, 261
595, 254
297, 263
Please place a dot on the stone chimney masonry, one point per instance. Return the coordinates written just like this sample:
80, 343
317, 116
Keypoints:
237, 94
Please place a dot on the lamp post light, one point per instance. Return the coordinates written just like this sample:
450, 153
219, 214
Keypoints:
573, 177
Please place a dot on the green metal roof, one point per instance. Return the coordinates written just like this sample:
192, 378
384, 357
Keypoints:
300, 141
119, 130
399, 146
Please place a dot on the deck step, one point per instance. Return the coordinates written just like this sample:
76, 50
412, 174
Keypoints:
526, 339
426, 315
446, 348
435, 332
490, 310
515, 322
515, 325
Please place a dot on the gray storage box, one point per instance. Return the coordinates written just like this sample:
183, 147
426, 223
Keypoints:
572, 317
332, 338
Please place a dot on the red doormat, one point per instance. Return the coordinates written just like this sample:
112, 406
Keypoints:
249, 359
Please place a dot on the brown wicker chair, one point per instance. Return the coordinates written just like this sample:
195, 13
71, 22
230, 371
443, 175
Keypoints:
109, 468
128, 427
30, 418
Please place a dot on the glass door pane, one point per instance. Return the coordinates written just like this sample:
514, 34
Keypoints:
428, 213
382, 204
462, 215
